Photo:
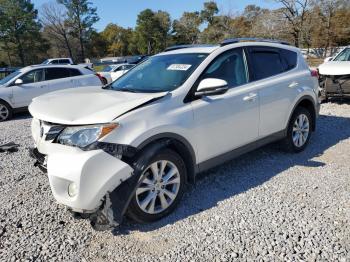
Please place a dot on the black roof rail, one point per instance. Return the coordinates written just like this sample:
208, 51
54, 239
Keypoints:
251, 39
176, 47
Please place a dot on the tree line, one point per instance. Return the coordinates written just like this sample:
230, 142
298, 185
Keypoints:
65, 28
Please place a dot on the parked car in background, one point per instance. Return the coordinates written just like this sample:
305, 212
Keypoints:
124, 59
112, 72
60, 61
5, 71
334, 76
145, 136
64, 61
137, 59
19, 88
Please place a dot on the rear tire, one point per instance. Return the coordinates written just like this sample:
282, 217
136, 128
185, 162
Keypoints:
157, 196
6, 112
298, 131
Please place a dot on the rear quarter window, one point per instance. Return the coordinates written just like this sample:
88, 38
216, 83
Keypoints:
289, 59
64, 61
265, 63
74, 72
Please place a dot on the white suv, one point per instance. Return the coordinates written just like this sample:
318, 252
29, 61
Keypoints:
19, 88
132, 146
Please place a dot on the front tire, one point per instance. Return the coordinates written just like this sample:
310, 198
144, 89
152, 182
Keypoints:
6, 111
299, 131
161, 187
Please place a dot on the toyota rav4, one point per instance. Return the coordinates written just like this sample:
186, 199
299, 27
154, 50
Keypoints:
131, 147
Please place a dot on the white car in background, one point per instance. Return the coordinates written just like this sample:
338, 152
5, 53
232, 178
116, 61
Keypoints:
58, 61
335, 76
19, 88
112, 72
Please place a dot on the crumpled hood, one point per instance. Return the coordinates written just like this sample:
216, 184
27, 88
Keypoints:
86, 105
335, 68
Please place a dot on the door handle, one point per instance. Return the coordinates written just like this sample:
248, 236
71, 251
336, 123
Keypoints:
43, 86
293, 85
251, 97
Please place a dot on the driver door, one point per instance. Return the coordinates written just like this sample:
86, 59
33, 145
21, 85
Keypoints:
230, 120
33, 86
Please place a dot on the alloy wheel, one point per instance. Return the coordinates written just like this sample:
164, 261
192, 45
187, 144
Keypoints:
4, 112
159, 187
301, 129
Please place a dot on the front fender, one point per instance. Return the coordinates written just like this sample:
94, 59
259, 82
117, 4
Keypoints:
6, 94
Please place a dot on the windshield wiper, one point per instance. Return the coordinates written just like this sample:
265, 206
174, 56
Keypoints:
126, 90
106, 86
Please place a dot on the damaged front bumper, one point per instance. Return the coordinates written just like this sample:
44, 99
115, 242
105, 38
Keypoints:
80, 179
335, 86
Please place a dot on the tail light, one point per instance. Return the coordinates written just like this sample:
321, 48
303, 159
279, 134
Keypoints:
100, 77
314, 73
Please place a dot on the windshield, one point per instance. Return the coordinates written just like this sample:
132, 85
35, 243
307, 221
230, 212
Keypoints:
343, 56
45, 62
9, 77
159, 73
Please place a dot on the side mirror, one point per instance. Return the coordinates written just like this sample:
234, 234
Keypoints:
328, 59
211, 86
18, 82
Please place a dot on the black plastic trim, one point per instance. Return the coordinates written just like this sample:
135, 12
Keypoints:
169, 135
251, 39
20, 109
316, 108
40, 159
240, 151
115, 150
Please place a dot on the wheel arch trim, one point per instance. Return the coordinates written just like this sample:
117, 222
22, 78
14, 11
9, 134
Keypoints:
175, 138
298, 103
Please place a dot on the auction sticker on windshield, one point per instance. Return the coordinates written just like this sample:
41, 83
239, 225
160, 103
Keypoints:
180, 67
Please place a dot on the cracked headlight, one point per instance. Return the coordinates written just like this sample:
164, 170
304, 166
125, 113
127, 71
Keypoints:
82, 136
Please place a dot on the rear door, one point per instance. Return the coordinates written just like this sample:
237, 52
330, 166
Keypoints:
33, 86
276, 78
58, 77
86, 77
75, 76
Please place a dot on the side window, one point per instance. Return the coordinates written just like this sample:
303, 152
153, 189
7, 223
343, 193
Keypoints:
56, 73
229, 66
117, 69
32, 76
289, 59
55, 62
265, 63
64, 61
74, 72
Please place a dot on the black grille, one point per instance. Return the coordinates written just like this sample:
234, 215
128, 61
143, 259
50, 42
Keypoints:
53, 133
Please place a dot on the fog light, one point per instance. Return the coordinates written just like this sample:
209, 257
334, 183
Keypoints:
72, 190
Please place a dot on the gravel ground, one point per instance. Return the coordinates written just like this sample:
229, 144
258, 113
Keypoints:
267, 205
